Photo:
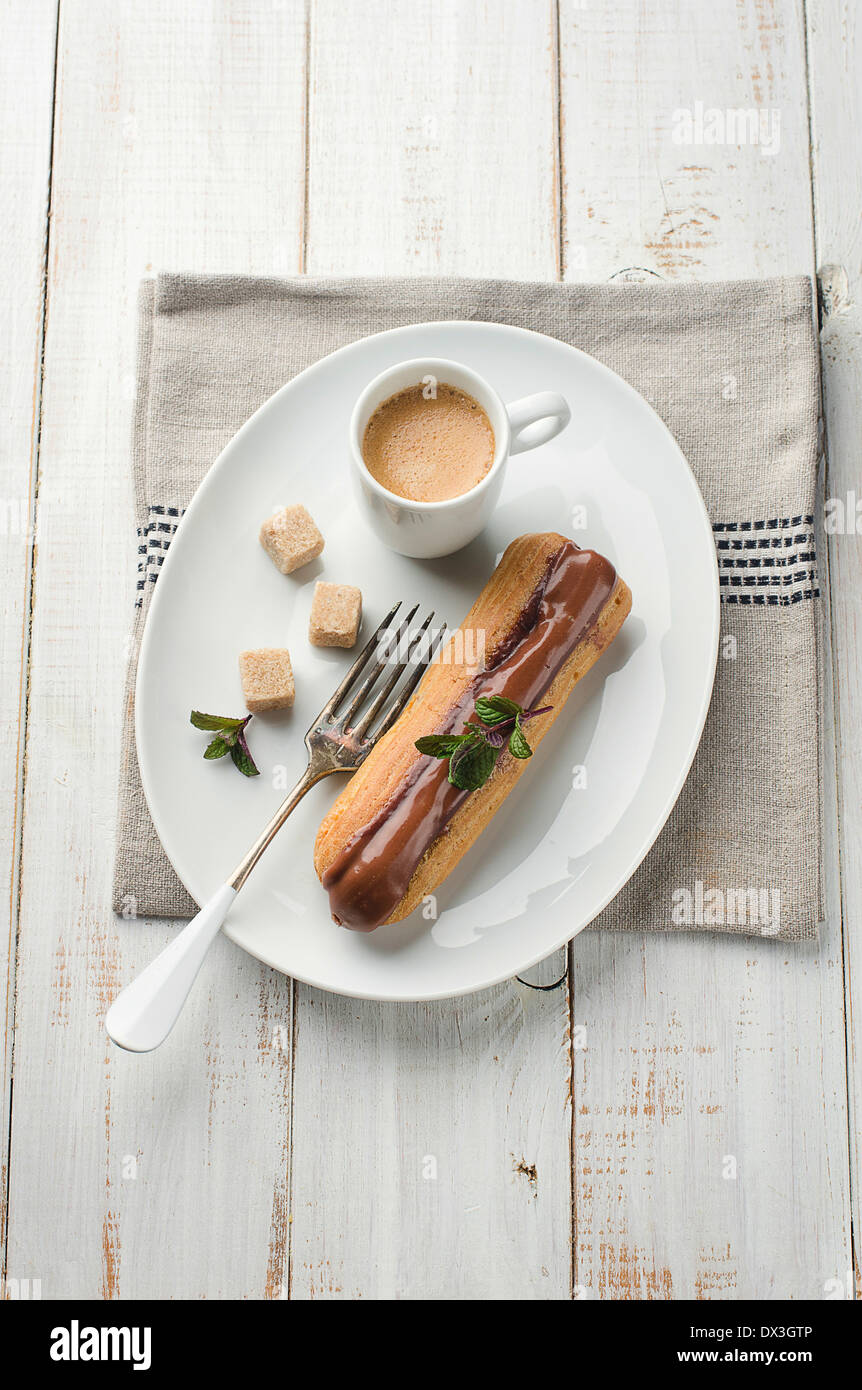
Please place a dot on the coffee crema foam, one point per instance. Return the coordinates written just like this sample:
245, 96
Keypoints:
429, 448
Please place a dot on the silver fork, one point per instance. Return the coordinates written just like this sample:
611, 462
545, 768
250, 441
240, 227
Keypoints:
141, 1017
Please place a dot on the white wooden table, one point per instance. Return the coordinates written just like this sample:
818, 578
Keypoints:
671, 1123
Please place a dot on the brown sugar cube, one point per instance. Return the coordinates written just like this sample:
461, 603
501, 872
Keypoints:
290, 538
267, 679
336, 612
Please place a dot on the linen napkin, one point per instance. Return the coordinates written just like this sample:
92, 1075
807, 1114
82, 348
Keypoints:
731, 367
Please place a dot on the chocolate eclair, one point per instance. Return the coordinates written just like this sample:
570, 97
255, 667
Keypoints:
400, 826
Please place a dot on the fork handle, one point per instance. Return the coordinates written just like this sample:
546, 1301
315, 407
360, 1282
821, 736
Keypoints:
141, 1017
312, 775
145, 1012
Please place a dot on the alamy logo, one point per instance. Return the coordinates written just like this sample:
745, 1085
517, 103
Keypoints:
77, 1343
843, 515
712, 125
466, 646
727, 907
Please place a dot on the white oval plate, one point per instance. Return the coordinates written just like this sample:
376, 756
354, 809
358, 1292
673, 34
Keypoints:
599, 789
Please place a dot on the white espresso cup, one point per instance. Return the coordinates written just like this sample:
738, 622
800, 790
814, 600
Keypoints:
424, 530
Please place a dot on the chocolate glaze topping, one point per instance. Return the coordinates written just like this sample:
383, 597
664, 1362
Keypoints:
370, 876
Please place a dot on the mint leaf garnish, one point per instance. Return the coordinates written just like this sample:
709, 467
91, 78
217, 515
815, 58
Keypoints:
473, 754
496, 737
472, 764
518, 745
443, 745
244, 761
493, 709
215, 721
217, 749
230, 738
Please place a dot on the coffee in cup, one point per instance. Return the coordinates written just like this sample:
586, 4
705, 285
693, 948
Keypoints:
428, 475
429, 442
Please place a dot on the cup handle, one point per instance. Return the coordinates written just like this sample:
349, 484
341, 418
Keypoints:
534, 420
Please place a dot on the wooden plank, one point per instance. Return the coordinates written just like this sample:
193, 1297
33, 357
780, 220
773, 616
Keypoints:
835, 77
431, 1142
644, 182
179, 142
710, 1116
433, 140
26, 108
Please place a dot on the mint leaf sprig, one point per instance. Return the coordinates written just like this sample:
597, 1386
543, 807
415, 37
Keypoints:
229, 738
473, 754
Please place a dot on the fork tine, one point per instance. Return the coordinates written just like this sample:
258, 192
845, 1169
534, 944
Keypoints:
408, 688
335, 699
393, 680
374, 674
